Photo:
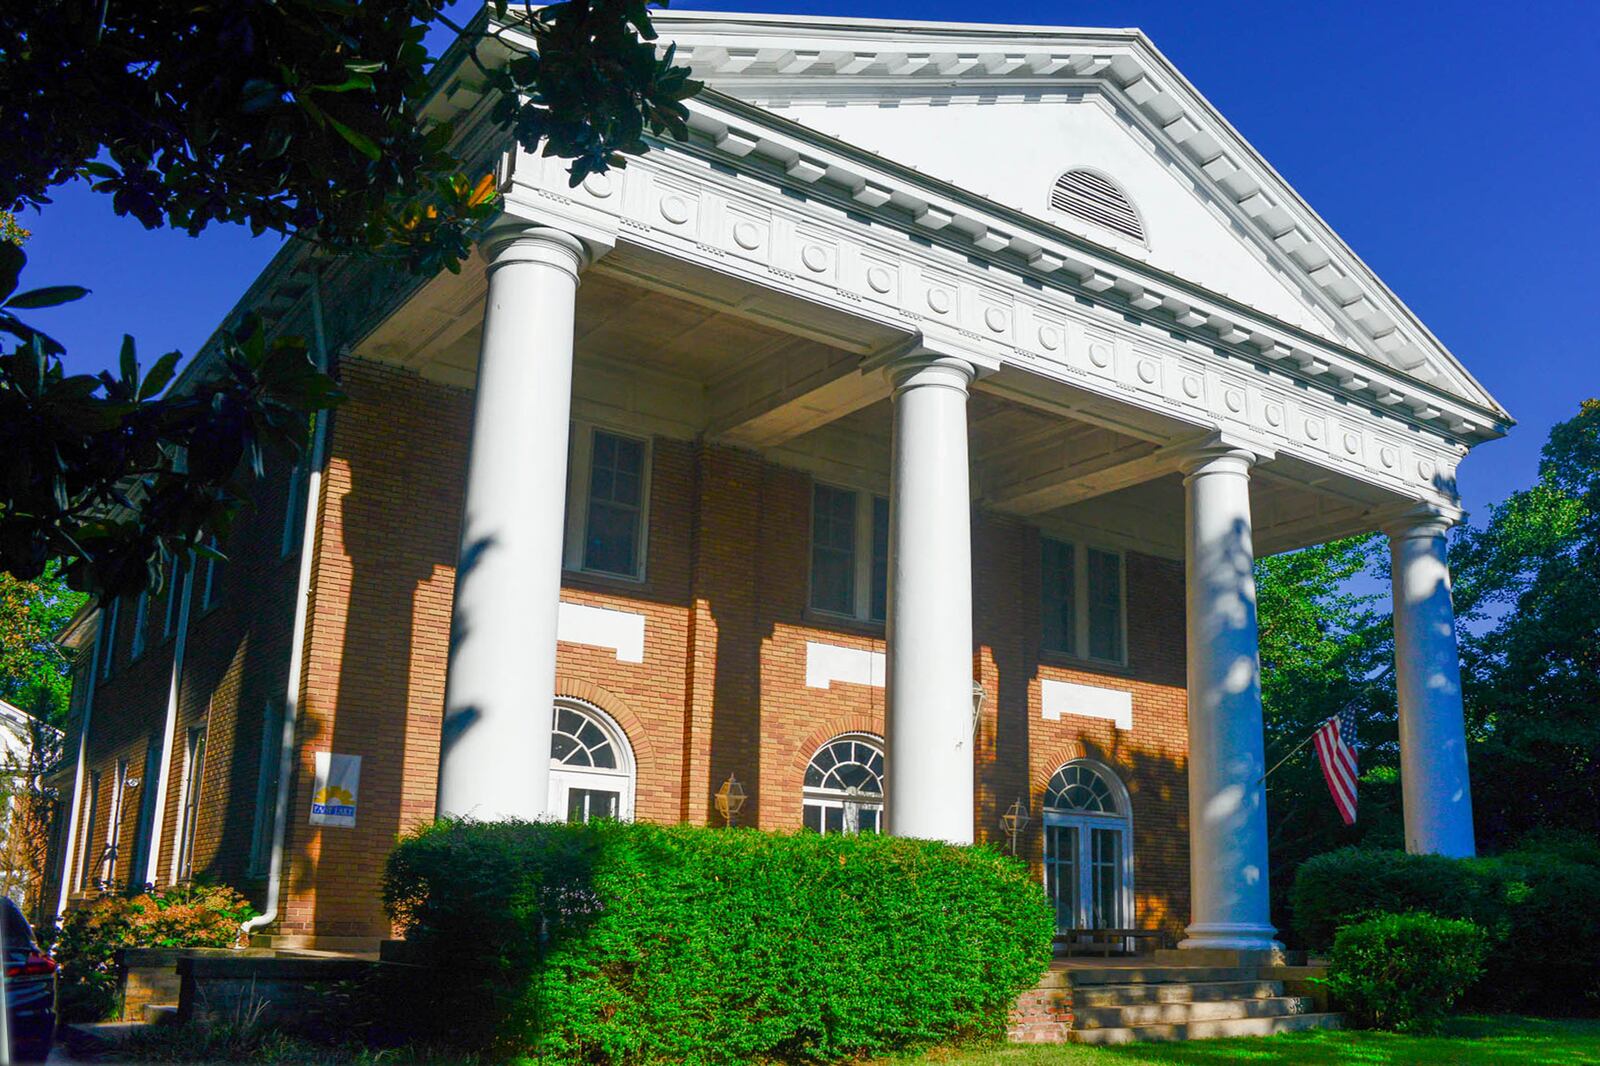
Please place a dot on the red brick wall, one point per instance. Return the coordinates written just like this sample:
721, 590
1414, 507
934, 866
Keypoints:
721, 689
235, 661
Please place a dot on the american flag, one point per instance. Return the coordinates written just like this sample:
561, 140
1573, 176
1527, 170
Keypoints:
1335, 740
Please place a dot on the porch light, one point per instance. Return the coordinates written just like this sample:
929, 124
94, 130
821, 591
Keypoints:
1014, 820
979, 696
730, 799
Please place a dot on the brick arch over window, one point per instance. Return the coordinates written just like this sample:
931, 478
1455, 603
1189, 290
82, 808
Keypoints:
630, 723
833, 727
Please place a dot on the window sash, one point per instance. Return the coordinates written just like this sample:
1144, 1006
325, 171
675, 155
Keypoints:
174, 600
615, 504
1083, 601
141, 610
261, 832
193, 774
849, 553
108, 650
80, 876
1057, 596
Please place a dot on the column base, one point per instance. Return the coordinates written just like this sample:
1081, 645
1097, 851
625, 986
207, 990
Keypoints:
1231, 937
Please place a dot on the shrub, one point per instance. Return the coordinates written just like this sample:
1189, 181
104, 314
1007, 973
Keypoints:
614, 942
1333, 890
1404, 971
182, 916
1539, 910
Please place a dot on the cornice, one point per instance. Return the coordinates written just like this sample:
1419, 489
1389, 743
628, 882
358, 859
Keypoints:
770, 56
816, 242
748, 138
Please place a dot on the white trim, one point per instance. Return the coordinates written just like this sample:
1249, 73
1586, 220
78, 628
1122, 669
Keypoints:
827, 663
602, 627
119, 790
108, 655
579, 466
624, 778
1057, 698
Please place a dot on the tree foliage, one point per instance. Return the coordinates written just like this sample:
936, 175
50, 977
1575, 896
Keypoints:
1527, 598
308, 116
108, 477
34, 669
301, 117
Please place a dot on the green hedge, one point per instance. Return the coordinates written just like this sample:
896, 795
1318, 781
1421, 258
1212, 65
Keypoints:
615, 942
1539, 909
1404, 971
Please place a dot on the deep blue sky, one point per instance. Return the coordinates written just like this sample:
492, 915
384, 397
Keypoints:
1454, 146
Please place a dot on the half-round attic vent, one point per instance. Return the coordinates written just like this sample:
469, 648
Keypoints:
1086, 195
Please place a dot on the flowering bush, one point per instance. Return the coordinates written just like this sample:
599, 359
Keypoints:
182, 916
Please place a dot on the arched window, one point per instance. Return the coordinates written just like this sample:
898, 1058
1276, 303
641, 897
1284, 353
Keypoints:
1088, 848
1095, 198
591, 764
844, 786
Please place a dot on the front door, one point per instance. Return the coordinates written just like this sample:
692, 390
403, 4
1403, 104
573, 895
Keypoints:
1085, 871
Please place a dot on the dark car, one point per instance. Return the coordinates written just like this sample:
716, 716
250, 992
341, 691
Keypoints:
30, 987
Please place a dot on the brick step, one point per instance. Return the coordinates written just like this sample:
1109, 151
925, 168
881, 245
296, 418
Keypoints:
1180, 992
1132, 1016
1205, 1030
160, 1013
1077, 977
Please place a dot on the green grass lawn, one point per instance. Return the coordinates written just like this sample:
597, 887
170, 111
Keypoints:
1487, 1039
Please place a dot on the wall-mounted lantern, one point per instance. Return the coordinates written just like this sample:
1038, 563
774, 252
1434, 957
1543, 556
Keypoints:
730, 799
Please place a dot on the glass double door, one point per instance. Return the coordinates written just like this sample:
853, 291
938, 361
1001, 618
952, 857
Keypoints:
1085, 871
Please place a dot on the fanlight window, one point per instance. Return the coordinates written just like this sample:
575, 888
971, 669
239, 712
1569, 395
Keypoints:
1079, 788
844, 786
578, 741
1088, 196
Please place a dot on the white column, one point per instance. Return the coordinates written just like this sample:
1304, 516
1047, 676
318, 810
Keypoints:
1227, 799
928, 770
1427, 670
495, 750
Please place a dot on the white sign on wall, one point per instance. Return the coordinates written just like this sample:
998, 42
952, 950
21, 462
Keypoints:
335, 792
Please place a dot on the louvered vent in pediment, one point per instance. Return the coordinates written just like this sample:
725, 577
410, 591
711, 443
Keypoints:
1086, 195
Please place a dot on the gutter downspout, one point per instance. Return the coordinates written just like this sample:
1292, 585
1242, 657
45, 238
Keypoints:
291, 698
67, 871
159, 814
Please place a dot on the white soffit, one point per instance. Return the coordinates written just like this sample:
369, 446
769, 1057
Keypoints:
976, 105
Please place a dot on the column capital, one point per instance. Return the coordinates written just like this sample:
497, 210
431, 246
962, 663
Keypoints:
1423, 522
920, 367
1222, 453
511, 242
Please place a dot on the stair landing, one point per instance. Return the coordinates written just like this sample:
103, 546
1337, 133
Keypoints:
1117, 1001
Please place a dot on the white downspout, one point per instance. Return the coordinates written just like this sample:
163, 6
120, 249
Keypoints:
159, 814
291, 698
67, 871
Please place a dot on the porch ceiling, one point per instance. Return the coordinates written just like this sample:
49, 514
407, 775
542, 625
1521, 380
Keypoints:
744, 365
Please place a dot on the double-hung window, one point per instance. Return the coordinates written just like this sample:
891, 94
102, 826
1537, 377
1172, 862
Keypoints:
608, 497
849, 553
266, 812
1081, 601
108, 640
215, 568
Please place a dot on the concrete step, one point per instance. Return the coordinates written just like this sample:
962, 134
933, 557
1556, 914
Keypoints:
161, 1013
1205, 1030
1183, 992
1132, 1016
1078, 976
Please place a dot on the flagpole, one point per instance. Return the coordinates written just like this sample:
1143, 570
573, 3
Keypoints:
1287, 757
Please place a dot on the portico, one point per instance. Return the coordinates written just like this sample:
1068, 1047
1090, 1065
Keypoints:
895, 330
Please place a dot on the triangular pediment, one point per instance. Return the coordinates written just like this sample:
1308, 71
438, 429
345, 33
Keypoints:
1001, 112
